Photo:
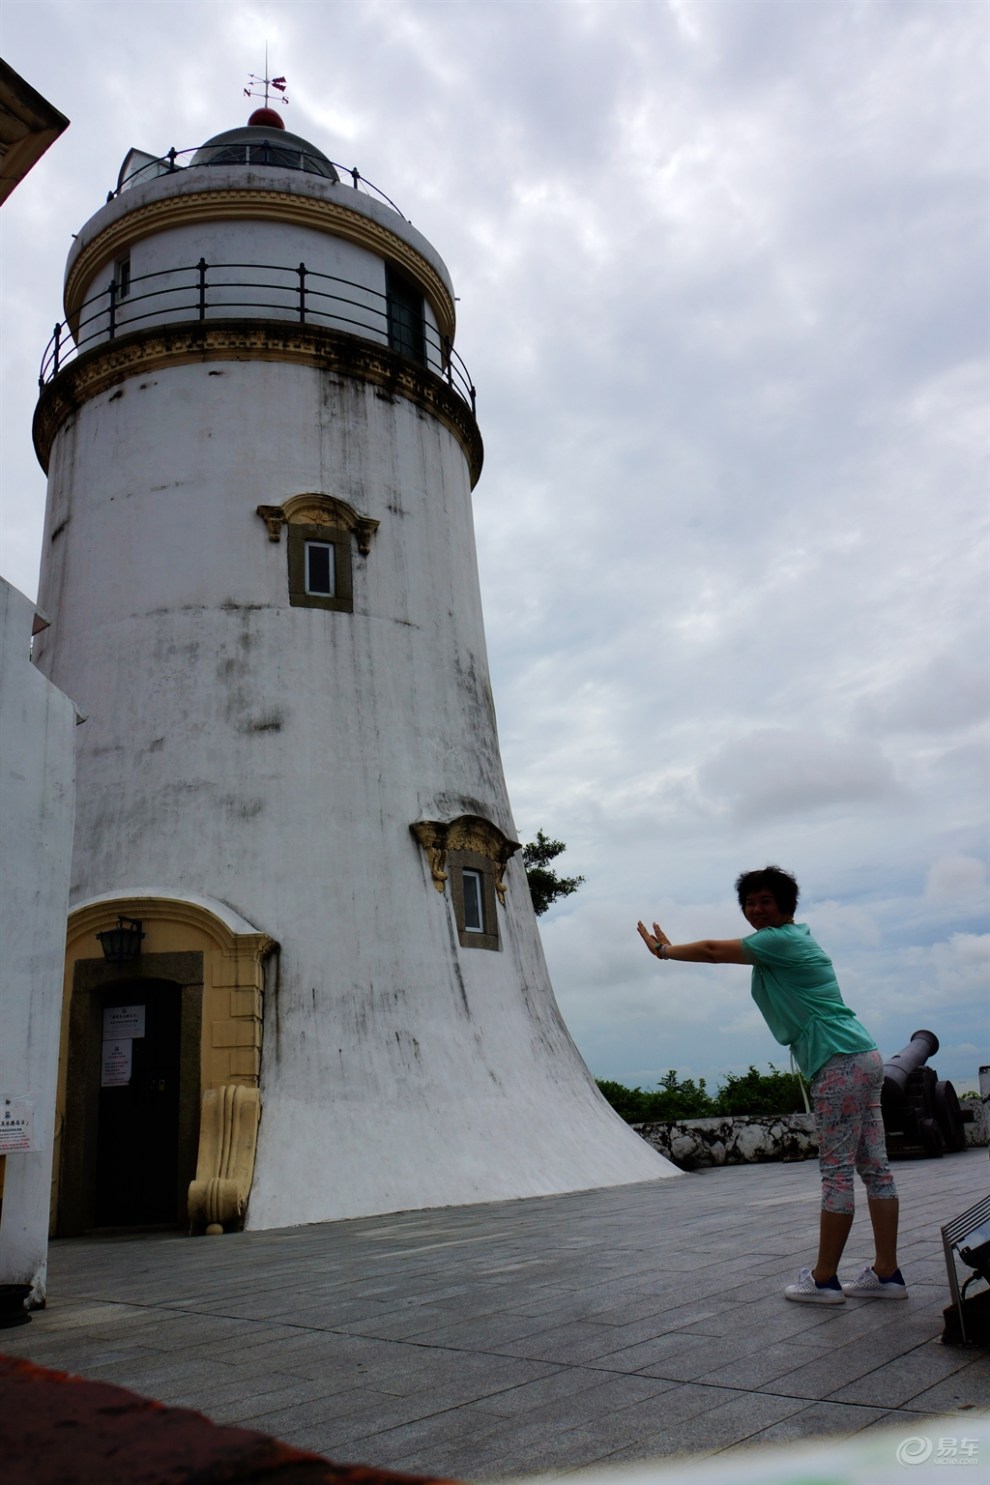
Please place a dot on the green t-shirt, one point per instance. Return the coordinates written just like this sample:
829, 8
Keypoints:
795, 987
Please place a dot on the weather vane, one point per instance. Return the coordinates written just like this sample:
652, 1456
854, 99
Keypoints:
255, 84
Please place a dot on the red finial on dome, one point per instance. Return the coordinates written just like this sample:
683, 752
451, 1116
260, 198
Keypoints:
266, 118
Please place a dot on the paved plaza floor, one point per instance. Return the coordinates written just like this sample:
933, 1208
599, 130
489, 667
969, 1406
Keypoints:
537, 1336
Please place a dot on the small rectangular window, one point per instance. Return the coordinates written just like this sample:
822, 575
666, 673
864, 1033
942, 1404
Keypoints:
472, 891
474, 902
122, 273
320, 568
320, 573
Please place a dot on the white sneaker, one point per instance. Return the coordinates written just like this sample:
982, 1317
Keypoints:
807, 1291
869, 1285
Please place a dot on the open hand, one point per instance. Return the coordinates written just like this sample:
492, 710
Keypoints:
652, 940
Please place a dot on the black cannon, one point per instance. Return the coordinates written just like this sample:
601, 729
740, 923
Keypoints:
921, 1116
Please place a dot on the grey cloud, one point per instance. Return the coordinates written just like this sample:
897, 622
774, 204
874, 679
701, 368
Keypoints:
947, 693
775, 772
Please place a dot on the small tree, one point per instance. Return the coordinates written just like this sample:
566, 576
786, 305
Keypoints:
545, 886
754, 1092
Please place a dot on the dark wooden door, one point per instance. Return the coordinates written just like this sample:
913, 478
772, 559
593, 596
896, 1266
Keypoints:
138, 1124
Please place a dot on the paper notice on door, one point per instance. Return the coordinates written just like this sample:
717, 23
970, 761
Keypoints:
16, 1125
120, 1021
116, 1064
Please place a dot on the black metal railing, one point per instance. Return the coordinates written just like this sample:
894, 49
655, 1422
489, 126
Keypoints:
264, 151
212, 291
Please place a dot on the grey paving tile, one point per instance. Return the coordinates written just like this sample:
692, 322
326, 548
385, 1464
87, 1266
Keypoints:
546, 1392
759, 1365
243, 1349
901, 1379
340, 1434
599, 1403
817, 1420
576, 1343
82, 1355
240, 1404
720, 1426
673, 1356
433, 1330
969, 1387
464, 1376
391, 1433
837, 1368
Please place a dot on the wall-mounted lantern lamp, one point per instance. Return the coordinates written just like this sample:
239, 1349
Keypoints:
123, 943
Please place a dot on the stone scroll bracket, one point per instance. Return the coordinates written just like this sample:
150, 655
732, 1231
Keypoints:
228, 1142
465, 833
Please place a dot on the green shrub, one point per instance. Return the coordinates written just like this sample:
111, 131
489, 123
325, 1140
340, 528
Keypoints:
675, 1099
751, 1092
631, 1103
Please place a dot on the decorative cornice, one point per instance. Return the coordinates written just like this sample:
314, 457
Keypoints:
465, 833
319, 510
85, 921
96, 371
236, 204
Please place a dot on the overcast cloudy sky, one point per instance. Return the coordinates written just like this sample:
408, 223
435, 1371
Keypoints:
723, 275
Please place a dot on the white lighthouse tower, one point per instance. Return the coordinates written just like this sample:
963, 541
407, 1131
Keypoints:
304, 979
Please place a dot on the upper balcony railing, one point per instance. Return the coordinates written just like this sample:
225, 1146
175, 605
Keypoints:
201, 292
283, 153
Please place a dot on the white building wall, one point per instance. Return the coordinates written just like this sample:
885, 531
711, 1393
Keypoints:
37, 735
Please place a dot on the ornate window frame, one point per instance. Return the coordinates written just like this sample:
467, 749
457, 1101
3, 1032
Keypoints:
321, 518
472, 843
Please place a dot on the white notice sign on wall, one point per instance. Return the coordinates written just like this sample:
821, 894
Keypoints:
16, 1125
121, 1021
116, 1064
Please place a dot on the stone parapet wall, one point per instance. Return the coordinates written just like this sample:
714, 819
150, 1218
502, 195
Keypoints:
694, 1144
976, 1120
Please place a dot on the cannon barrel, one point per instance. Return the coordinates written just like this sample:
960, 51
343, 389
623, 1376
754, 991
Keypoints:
897, 1070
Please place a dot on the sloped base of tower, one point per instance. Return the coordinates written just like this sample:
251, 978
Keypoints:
332, 1163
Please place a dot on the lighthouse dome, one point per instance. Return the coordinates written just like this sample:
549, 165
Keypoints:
251, 144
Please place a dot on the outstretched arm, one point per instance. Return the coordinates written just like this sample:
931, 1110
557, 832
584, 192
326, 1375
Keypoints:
705, 951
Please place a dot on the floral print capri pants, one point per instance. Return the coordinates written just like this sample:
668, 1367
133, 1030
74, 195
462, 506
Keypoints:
846, 1093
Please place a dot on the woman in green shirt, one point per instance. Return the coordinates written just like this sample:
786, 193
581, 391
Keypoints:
794, 985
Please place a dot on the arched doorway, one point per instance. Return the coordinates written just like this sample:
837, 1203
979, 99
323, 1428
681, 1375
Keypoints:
146, 1047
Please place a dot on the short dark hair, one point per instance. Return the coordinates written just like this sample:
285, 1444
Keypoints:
781, 884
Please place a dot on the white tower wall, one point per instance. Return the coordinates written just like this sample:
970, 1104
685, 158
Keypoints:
274, 757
